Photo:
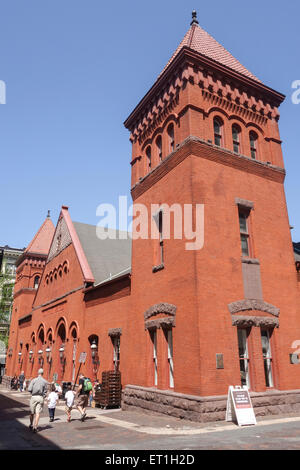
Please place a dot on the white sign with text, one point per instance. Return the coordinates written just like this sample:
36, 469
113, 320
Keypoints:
239, 406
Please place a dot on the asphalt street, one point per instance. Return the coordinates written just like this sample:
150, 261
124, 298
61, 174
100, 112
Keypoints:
113, 430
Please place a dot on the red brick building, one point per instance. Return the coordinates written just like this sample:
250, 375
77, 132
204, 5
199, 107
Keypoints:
181, 324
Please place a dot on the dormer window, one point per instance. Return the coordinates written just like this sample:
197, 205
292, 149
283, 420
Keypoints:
236, 138
218, 127
253, 144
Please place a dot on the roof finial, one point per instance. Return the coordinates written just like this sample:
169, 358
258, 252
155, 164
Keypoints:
48, 215
194, 18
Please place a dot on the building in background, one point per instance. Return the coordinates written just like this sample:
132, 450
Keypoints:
8, 259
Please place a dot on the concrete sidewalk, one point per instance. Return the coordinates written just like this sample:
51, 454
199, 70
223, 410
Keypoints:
112, 430
145, 422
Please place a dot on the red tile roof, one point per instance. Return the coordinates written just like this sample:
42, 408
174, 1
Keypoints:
42, 240
200, 41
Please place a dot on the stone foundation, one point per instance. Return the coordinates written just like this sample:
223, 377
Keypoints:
6, 381
205, 409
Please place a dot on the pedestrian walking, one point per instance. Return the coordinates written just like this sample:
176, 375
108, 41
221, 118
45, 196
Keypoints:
14, 383
82, 395
21, 381
93, 392
38, 389
52, 402
69, 397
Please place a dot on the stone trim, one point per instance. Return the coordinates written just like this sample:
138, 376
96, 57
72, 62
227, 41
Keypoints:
244, 321
168, 322
250, 260
260, 305
244, 203
156, 309
204, 409
113, 332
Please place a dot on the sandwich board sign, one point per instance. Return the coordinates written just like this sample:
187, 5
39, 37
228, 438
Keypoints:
239, 406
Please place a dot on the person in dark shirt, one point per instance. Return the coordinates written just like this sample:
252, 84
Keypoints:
82, 397
21, 381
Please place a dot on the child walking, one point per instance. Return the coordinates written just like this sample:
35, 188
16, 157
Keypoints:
69, 397
52, 401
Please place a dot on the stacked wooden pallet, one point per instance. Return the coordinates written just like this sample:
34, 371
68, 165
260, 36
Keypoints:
111, 388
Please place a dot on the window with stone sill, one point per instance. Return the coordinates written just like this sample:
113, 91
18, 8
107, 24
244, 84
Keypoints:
244, 231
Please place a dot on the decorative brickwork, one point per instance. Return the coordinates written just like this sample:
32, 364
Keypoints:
61, 239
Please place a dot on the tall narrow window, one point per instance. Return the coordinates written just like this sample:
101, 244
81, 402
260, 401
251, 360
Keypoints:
218, 124
153, 335
253, 144
116, 346
244, 232
161, 240
244, 357
171, 137
170, 358
36, 282
148, 154
236, 138
159, 148
267, 357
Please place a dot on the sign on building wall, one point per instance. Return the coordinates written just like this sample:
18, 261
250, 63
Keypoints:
82, 357
239, 406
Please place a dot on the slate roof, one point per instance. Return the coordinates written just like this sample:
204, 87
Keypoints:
200, 41
108, 258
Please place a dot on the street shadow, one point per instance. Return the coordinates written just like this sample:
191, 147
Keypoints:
15, 435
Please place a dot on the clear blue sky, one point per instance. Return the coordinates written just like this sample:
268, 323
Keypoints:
74, 71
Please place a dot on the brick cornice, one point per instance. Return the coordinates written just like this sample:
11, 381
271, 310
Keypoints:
209, 75
199, 148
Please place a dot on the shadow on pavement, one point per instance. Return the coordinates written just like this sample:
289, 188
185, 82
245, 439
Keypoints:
15, 435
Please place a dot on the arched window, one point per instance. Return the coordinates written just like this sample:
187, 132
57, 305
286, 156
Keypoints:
148, 154
218, 127
159, 148
36, 282
253, 144
170, 132
236, 138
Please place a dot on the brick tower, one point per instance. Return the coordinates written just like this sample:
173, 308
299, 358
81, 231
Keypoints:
228, 313
30, 266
